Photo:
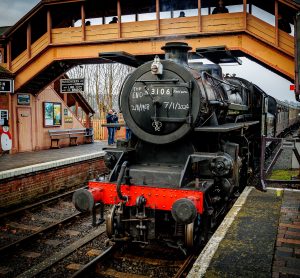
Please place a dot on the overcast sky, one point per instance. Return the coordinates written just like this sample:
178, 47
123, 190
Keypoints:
12, 10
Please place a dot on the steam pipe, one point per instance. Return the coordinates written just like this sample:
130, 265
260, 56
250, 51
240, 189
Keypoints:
119, 180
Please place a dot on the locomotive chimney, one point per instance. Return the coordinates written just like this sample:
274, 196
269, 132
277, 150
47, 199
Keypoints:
177, 52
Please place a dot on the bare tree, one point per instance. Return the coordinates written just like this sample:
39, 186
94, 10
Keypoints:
102, 84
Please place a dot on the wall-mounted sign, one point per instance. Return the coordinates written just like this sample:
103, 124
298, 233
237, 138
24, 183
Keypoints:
3, 116
68, 119
6, 86
72, 85
23, 99
52, 114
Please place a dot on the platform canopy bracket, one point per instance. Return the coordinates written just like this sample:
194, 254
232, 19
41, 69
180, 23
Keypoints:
121, 57
218, 54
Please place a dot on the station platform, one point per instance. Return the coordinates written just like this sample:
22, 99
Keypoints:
25, 177
259, 237
22, 163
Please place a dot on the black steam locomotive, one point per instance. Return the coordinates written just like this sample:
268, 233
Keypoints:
196, 138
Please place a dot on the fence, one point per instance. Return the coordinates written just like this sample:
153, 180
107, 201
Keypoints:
100, 132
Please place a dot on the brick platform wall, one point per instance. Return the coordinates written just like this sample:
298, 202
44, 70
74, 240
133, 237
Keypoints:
31, 186
286, 262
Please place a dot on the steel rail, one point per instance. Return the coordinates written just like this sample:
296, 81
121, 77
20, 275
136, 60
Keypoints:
60, 255
86, 268
187, 263
21, 241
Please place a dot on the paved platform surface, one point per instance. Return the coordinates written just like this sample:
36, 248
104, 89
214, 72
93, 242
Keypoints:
13, 161
260, 237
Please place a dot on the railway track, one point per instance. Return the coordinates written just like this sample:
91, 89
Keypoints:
154, 261
23, 224
38, 236
67, 194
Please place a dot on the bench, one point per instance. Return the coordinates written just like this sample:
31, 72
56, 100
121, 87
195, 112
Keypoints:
72, 134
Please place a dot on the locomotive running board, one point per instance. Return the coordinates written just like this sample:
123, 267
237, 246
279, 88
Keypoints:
226, 127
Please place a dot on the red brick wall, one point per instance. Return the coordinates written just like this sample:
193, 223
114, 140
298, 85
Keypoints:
4, 101
30, 186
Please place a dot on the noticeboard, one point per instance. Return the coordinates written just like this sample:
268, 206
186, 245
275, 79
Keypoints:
6, 86
52, 114
72, 85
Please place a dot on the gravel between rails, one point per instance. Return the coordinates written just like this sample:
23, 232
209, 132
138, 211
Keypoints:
44, 245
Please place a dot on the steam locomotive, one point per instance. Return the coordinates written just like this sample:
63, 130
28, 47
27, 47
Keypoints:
195, 143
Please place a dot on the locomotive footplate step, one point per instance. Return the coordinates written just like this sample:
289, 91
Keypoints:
245, 243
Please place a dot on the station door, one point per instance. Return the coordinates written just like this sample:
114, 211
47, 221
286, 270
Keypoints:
24, 129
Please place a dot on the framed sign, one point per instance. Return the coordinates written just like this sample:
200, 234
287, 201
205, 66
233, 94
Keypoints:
68, 119
23, 99
6, 86
66, 112
72, 85
52, 114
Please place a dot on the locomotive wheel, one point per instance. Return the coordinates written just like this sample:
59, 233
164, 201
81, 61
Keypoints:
189, 235
110, 229
192, 234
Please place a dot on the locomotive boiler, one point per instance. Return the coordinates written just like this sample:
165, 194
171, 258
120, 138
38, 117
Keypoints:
194, 144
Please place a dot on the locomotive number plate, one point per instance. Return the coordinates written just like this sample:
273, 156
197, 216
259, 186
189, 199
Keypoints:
140, 92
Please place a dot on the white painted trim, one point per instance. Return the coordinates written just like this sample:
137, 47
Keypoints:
283, 189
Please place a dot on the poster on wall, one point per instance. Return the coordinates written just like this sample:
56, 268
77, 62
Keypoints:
48, 113
52, 114
3, 116
57, 114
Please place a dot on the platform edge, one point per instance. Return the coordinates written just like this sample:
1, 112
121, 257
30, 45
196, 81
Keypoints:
202, 263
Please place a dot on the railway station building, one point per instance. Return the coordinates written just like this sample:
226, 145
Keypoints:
32, 116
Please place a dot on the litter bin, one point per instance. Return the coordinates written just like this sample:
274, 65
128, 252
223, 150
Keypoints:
89, 135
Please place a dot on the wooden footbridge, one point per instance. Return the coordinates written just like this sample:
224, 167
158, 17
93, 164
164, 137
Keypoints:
45, 43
